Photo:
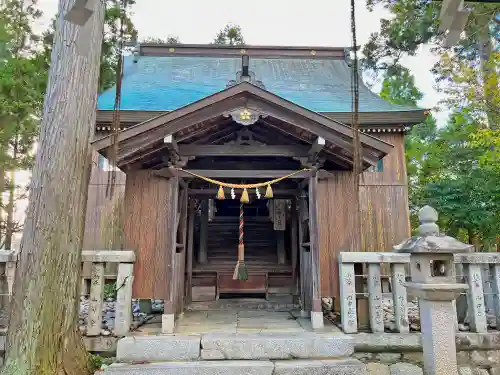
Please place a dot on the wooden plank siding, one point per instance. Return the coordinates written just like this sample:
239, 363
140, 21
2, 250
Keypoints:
149, 228
384, 212
100, 207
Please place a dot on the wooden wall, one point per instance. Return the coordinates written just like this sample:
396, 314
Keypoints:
384, 212
100, 208
149, 230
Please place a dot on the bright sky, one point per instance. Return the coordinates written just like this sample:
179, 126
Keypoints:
268, 22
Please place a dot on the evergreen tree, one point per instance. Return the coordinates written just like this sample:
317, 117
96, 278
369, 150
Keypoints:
22, 81
415, 23
230, 35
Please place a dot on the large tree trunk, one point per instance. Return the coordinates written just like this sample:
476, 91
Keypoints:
43, 337
490, 77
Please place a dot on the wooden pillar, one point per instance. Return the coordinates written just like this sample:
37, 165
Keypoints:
169, 305
281, 246
316, 313
294, 244
304, 255
189, 252
202, 253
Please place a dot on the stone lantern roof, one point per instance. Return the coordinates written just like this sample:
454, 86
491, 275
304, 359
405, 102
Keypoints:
429, 240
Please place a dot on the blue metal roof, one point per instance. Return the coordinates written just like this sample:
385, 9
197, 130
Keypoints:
168, 83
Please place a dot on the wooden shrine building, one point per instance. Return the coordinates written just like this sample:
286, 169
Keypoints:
245, 115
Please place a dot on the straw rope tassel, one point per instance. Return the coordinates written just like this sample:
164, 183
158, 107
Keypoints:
240, 272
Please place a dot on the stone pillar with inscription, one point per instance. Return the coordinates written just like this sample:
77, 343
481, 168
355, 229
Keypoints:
433, 280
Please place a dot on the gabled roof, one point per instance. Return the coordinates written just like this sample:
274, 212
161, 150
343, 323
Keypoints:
141, 137
166, 83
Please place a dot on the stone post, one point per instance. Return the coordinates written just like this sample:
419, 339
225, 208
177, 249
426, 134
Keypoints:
433, 280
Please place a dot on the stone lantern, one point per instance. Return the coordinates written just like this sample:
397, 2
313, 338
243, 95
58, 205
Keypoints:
433, 281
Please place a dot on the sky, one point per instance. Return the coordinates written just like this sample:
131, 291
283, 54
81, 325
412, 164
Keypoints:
269, 22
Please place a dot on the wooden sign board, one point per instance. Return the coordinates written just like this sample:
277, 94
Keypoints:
279, 214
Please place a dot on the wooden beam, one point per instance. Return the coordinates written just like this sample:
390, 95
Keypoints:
243, 150
211, 173
319, 125
316, 148
171, 143
213, 50
342, 160
213, 192
213, 136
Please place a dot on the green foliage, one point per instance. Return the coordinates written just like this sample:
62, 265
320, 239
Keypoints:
465, 192
170, 40
455, 168
230, 35
413, 23
468, 87
22, 83
399, 88
110, 46
110, 291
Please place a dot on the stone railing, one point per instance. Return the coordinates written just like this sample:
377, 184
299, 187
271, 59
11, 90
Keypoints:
481, 272
92, 288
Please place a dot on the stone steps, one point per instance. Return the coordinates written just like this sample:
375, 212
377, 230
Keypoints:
296, 353
237, 346
294, 367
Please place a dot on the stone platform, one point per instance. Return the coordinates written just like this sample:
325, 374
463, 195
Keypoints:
234, 343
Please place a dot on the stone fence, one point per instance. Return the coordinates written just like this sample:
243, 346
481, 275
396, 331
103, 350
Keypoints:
93, 286
480, 271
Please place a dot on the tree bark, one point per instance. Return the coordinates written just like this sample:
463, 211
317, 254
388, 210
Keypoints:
490, 78
43, 337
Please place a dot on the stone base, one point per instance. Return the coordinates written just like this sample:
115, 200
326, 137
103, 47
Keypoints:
262, 346
303, 367
167, 323
304, 314
317, 320
194, 368
158, 349
320, 367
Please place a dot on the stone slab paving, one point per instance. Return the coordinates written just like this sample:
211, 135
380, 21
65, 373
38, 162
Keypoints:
201, 322
276, 345
194, 368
